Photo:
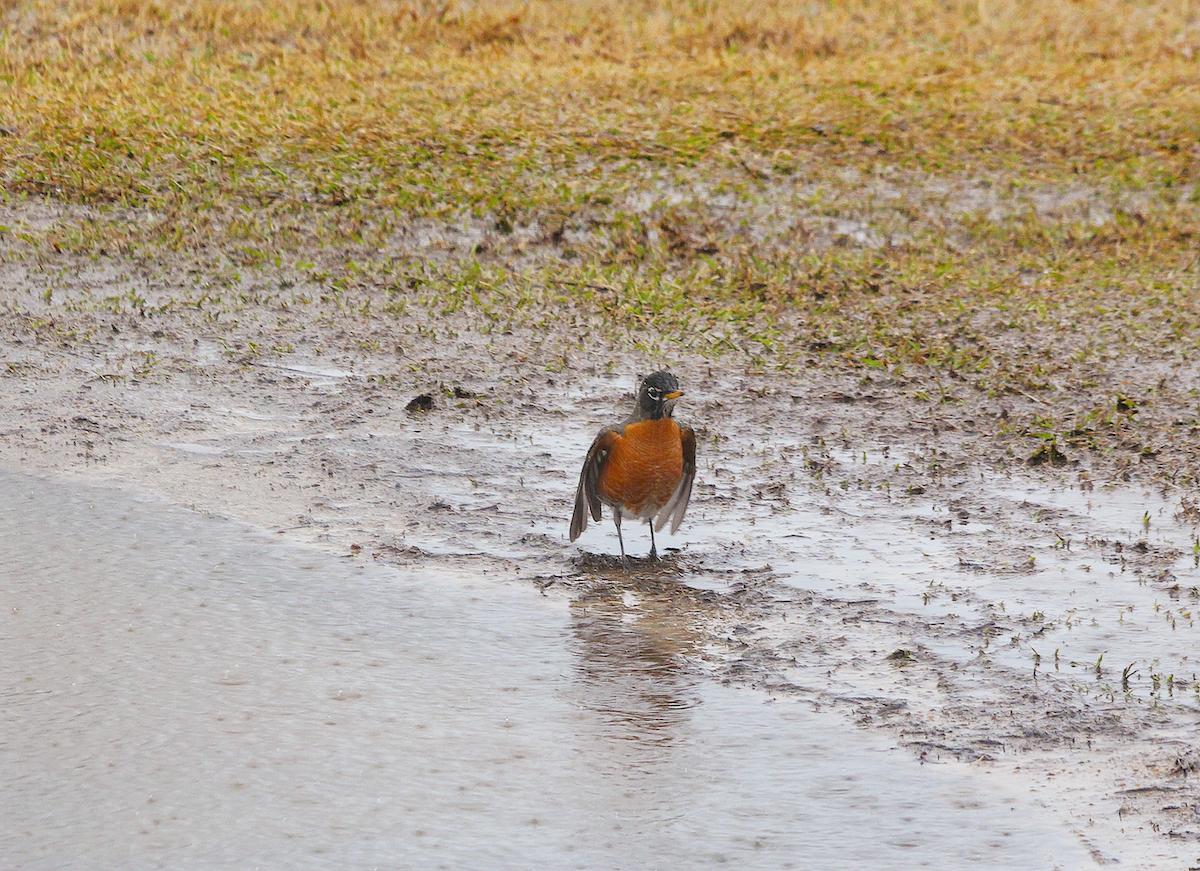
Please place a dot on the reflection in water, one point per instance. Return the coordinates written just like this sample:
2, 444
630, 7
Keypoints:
633, 667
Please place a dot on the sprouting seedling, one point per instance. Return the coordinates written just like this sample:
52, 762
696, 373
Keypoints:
1099, 660
1128, 672
1056, 658
1146, 520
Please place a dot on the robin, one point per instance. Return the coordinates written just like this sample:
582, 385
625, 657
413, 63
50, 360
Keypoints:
641, 468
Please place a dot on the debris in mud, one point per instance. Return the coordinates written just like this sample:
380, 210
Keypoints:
424, 402
1186, 764
387, 549
86, 423
902, 657
462, 393
1142, 790
1048, 453
848, 398
1140, 546
1128, 406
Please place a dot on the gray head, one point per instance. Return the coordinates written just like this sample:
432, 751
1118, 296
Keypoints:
656, 396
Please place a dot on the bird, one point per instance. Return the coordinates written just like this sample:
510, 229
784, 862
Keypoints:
643, 467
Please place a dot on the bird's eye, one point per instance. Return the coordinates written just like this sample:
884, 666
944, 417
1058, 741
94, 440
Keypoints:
653, 393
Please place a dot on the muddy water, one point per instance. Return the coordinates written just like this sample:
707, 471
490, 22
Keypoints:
183, 692
1092, 605
1048, 569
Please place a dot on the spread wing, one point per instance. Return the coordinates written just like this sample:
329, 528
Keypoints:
587, 494
677, 505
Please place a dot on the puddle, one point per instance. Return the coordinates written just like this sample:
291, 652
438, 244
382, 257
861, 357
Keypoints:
184, 691
1095, 598
1011, 567
1014, 570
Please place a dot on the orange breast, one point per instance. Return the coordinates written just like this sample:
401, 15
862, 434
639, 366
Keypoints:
644, 466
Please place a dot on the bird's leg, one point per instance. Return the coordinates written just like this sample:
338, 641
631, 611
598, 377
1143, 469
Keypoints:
653, 549
621, 541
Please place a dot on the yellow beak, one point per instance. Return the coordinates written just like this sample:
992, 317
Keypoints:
674, 394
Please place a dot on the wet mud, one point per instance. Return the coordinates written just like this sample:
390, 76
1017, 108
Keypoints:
846, 556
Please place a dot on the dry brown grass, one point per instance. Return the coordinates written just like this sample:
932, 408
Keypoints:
153, 102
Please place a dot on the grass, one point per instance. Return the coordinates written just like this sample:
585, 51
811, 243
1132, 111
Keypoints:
504, 108
1000, 193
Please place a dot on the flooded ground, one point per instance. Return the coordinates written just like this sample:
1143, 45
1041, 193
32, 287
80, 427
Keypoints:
186, 692
939, 640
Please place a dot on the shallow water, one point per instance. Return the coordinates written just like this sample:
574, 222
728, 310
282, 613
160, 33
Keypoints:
1043, 559
184, 692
